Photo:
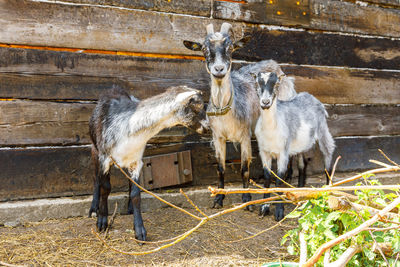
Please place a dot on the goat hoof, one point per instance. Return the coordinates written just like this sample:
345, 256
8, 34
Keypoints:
140, 234
218, 201
102, 223
264, 210
246, 197
91, 211
250, 208
279, 213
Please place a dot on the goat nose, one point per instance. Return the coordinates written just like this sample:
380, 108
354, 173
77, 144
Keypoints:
265, 102
219, 68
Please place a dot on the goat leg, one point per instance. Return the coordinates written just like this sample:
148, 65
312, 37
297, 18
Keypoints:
218, 200
95, 201
105, 189
279, 207
138, 226
265, 208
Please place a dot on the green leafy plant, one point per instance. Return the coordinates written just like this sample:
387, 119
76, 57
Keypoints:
320, 224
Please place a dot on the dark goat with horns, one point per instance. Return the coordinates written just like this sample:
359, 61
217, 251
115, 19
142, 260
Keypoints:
120, 127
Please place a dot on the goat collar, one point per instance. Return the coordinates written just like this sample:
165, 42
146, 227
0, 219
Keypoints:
217, 111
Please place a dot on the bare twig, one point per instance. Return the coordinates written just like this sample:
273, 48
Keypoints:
334, 167
283, 181
154, 195
391, 161
191, 203
111, 220
263, 231
376, 245
321, 250
215, 191
343, 259
187, 233
358, 176
303, 249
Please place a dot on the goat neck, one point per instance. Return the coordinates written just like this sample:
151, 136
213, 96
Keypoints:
269, 116
221, 91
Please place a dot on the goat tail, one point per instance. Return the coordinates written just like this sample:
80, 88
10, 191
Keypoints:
326, 145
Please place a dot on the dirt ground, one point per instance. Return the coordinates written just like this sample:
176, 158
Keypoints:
70, 241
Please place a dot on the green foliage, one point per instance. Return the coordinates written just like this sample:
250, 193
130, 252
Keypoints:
320, 225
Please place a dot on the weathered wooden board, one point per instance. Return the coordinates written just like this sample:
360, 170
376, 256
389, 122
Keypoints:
190, 7
339, 16
150, 76
24, 123
96, 27
67, 75
347, 86
58, 87
355, 120
326, 49
35, 122
285, 13
385, 3
352, 17
43, 172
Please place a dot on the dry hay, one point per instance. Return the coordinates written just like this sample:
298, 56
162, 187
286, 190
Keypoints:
70, 241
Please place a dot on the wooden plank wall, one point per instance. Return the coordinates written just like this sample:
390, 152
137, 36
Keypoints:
57, 56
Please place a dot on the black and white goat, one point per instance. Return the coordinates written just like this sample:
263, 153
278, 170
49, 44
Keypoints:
120, 127
233, 107
288, 128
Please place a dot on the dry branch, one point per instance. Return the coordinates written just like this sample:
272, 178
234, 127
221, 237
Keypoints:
215, 191
183, 236
351, 233
342, 204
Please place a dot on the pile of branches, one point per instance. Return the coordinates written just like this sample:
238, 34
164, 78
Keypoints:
339, 200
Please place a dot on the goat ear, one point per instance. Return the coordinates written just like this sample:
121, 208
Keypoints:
242, 42
192, 45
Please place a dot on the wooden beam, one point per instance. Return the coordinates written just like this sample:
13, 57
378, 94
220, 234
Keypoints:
60, 171
96, 27
347, 86
189, 7
318, 48
64, 75
337, 16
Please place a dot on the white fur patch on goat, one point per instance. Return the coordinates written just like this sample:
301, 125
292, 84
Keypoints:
265, 76
180, 98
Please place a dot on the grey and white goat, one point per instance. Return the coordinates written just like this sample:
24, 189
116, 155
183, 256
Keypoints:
120, 127
288, 128
233, 107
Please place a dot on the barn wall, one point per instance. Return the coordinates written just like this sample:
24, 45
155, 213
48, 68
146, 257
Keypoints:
57, 56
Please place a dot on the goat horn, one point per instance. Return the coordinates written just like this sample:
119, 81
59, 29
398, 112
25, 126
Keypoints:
225, 27
210, 29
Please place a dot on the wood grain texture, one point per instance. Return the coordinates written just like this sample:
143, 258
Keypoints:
347, 86
363, 120
352, 17
285, 13
95, 27
145, 77
68, 75
25, 123
340, 16
44, 172
324, 49
190, 7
